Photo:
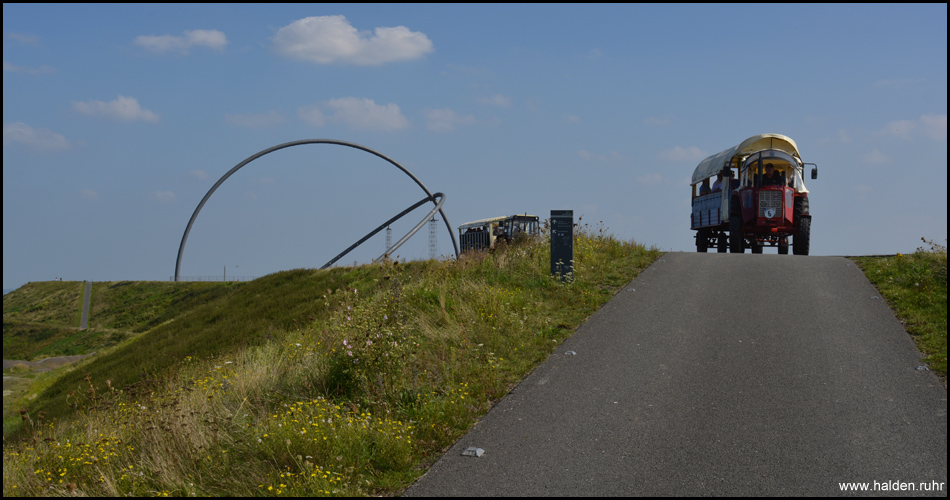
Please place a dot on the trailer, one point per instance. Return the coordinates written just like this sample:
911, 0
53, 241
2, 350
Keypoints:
485, 233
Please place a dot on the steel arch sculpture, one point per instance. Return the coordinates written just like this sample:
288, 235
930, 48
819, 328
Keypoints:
429, 197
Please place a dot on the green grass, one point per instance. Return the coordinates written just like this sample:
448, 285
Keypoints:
46, 302
915, 286
41, 319
341, 382
137, 306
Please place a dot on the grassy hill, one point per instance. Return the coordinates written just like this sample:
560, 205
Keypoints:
41, 319
348, 381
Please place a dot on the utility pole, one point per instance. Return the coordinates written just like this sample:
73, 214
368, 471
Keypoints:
433, 238
389, 238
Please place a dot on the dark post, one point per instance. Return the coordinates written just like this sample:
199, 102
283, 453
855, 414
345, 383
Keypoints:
562, 244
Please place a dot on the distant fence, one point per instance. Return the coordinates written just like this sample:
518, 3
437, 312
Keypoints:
214, 278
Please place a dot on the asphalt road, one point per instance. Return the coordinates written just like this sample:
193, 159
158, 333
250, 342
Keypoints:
717, 374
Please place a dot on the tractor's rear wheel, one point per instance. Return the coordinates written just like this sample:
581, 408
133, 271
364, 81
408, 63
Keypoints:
802, 240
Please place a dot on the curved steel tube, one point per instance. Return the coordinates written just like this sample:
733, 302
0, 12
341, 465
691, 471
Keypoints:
438, 208
379, 228
184, 238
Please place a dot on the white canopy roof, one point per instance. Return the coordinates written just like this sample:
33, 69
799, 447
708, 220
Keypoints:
482, 222
715, 163
492, 220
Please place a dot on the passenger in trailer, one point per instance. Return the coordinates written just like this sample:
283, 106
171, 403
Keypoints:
704, 187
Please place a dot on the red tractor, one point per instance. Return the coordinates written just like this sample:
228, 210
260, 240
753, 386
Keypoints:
758, 198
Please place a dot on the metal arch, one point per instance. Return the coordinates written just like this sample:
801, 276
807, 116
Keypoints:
431, 196
399, 243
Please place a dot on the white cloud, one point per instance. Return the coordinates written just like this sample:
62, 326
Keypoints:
876, 156
930, 126
934, 126
312, 115
24, 38
844, 136
199, 174
496, 100
364, 114
260, 120
165, 196
123, 109
42, 70
658, 122
900, 128
678, 153
182, 44
356, 113
88, 194
445, 120
36, 138
329, 39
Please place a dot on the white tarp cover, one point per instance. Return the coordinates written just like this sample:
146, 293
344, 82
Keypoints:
492, 220
714, 164
482, 222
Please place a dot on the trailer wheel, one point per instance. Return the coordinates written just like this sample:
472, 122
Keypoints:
722, 243
783, 246
735, 234
802, 240
702, 240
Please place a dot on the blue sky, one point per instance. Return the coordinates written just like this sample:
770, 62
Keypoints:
118, 119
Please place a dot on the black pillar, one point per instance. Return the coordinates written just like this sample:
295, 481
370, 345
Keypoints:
562, 244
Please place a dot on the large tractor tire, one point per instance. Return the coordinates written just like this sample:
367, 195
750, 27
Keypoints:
802, 241
736, 244
801, 207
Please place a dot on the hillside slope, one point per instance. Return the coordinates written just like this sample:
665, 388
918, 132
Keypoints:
364, 374
41, 319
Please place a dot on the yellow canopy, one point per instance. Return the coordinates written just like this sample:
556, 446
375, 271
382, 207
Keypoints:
715, 163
